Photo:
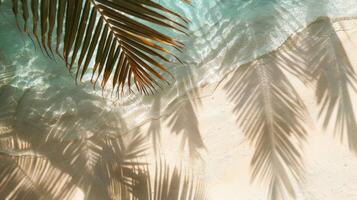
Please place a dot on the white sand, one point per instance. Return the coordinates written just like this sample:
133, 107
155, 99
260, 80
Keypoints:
330, 166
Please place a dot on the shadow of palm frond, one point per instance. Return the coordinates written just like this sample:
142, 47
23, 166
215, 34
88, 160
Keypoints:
73, 137
99, 168
319, 59
267, 107
263, 95
7, 71
33, 177
335, 80
271, 115
167, 183
154, 131
177, 106
184, 121
182, 117
97, 160
175, 183
259, 34
25, 173
39, 162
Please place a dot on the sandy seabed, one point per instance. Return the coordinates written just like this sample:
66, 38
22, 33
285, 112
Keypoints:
327, 154
313, 72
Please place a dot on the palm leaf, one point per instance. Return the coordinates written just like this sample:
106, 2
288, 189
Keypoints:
270, 113
116, 34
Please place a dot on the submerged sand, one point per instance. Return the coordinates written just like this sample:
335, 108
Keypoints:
313, 72
328, 155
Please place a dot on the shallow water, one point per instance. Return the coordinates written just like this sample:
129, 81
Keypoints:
226, 34
39, 98
223, 35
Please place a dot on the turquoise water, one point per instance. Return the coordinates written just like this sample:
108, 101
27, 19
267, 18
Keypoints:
40, 100
227, 33
223, 34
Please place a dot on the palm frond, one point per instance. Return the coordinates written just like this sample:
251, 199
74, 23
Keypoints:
271, 114
116, 33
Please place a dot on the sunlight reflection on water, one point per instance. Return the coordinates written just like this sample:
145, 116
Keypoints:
223, 35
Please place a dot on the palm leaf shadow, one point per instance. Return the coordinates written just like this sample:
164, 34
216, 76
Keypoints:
320, 61
102, 166
268, 109
256, 38
182, 118
168, 182
96, 164
177, 107
271, 114
7, 70
184, 121
154, 131
334, 77
33, 177
263, 95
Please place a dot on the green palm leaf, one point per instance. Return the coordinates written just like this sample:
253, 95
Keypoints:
116, 34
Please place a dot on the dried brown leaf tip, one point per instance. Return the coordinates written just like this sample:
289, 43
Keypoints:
115, 39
